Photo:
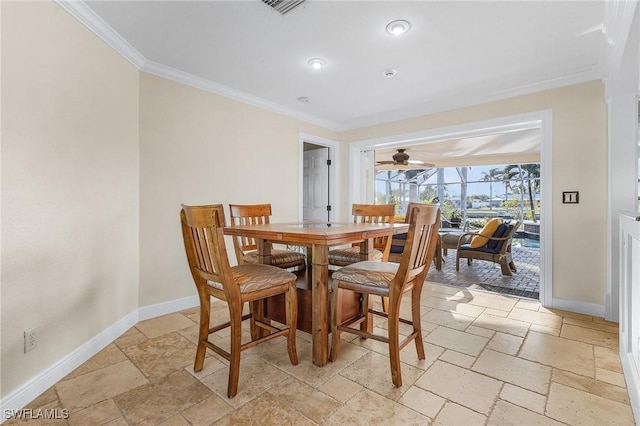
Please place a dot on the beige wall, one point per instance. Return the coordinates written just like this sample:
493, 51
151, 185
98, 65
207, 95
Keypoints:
579, 163
201, 148
69, 187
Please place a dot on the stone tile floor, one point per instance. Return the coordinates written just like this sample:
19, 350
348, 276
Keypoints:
490, 360
487, 275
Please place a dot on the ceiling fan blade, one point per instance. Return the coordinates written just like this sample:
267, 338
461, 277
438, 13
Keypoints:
381, 167
421, 163
401, 161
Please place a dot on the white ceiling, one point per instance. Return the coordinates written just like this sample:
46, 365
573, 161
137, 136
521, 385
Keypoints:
456, 53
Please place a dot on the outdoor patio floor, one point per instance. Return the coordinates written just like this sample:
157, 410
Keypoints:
483, 275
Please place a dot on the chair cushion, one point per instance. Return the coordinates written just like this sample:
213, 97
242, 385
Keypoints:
484, 249
350, 255
368, 273
487, 231
278, 257
399, 218
450, 239
398, 248
256, 277
501, 243
500, 232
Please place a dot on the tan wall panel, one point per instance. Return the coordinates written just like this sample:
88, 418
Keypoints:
200, 148
69, 187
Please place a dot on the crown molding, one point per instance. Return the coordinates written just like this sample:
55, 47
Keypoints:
88, 18
79, 10
210, 86
461, 99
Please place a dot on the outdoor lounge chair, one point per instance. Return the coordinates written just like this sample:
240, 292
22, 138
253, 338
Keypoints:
497, 249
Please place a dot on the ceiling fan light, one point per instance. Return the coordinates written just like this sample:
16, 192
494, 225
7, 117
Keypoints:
400, 157
401, 162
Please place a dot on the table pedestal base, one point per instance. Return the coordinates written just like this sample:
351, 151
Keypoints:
275, 305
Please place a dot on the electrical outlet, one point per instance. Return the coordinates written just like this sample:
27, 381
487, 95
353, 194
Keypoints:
30, 340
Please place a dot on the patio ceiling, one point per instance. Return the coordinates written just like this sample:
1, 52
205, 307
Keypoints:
520, 146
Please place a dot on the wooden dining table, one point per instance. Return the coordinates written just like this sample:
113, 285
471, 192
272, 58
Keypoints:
318, 236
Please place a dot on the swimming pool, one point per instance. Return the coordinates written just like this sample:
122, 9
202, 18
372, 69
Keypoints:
525, 240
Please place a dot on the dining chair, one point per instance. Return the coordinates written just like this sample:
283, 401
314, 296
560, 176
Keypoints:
390, 280
398, 241
366, 213
202, 231
246, 248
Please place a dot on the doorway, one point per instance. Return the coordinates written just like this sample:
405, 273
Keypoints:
318, 171
360, 162
315, 178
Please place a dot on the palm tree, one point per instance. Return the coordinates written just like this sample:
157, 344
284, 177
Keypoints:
492, 176
525, 172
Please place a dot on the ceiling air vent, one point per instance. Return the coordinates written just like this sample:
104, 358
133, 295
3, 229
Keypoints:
283, 6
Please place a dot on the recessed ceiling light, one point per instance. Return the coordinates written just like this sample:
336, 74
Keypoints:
389, 72
316, 63
398, 27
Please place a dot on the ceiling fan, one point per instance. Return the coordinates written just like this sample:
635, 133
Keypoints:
401, 161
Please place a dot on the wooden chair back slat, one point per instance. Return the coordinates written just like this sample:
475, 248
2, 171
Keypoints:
252, 214
421, 243
202, 228
376, 213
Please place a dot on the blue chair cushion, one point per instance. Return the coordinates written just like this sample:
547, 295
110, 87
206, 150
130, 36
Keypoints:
500, 243
484, 249
398, 249
500, 232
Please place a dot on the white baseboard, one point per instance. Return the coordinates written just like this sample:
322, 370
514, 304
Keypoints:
579, 307
26, 393
632, 379
153, 311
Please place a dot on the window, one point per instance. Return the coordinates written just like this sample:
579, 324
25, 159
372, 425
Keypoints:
467, 195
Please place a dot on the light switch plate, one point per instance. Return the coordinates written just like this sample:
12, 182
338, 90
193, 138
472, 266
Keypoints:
570, 197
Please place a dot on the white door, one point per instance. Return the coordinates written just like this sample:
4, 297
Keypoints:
316, 184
